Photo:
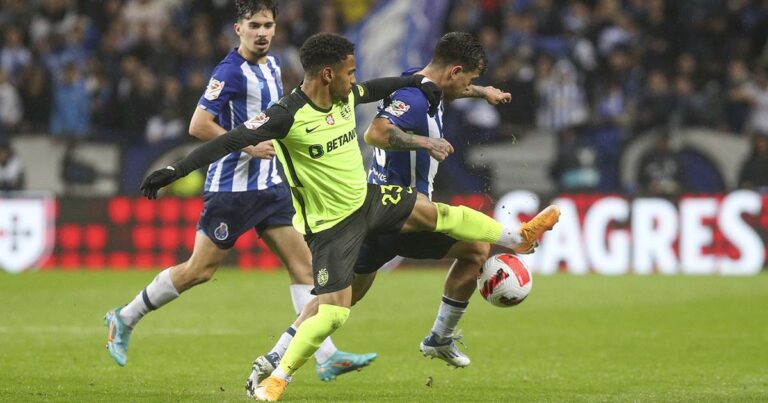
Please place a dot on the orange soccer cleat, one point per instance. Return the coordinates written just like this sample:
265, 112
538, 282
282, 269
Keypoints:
531, 231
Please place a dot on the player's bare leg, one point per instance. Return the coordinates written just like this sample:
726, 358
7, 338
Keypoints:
460, 284
293, 251
166, 286
205, 260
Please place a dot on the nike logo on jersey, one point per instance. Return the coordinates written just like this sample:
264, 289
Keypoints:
312, 129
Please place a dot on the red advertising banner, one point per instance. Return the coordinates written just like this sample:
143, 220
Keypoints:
597, 233
609, 234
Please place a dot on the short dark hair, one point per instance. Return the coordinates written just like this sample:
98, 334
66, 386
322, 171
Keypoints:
462, 49
324, 49
247, 8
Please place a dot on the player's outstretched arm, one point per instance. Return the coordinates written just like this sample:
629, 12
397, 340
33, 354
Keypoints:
385, 135
492, 95
379, 88
274, 123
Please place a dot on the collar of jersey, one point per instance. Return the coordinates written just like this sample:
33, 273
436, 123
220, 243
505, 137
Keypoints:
309, 101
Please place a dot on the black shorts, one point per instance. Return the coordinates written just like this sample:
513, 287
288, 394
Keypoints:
227, 215
335, 250
380, 249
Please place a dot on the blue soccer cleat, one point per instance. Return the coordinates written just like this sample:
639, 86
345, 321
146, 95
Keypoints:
118, 336
340, 363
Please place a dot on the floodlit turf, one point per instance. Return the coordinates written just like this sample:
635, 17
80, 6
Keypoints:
575, 339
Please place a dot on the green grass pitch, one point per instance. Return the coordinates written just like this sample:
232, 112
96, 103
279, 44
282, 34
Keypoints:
581, 339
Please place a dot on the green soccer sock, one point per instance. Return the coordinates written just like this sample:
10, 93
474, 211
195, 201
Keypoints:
465, 224
310, 334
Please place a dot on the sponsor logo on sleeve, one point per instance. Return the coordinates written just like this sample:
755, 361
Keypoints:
213, 90
256, 121
397, 108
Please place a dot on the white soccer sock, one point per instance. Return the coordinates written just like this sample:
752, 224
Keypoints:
326, 350
301, 294
448, 316
158, 293
510, 237
283, 342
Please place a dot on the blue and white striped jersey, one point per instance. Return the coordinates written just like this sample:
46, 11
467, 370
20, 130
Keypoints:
237, 91
407, 110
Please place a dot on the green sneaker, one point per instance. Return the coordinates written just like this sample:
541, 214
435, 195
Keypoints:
118, 336
340, 363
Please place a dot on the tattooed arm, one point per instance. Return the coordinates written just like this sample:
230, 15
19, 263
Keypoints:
492, 95
386, 136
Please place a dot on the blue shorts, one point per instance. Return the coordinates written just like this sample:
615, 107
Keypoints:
227, 215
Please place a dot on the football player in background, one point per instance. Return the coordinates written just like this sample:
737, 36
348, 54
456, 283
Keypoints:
243, 191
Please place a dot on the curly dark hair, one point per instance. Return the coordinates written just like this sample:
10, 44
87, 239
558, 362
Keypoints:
463, 49
324, 49
247, 8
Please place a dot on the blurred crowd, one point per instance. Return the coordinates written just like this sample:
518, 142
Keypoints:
595, 72
602, 72
130, 70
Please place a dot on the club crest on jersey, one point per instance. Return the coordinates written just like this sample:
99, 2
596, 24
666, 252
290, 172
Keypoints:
322, 277
214, 89
221, 232
397, 108
329, 119
256, 121
346, 112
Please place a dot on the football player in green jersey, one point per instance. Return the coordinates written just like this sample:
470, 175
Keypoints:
314, 129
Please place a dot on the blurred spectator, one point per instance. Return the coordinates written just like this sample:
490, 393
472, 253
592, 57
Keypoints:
36, 99
660, 171
330, 19
55, 18
561, 100
656, 105
575, 165
10, 105
140, 103
150, 16
755, 93
71, 104
754, 171
15, 12
100, 92
353, 10
515, 75
11, 168
690, 105
170, 123
14, 57
736, 108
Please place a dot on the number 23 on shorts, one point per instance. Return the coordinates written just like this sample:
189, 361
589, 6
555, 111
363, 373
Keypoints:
391, 194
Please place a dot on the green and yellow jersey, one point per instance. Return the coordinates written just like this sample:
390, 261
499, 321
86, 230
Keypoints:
322, 161
317, 147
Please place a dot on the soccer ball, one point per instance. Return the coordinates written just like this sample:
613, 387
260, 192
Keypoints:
504, 280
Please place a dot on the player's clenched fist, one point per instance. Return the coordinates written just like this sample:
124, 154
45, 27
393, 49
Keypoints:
158, 179
439, 148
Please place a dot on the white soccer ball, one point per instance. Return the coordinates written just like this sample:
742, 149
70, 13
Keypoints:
504, 280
